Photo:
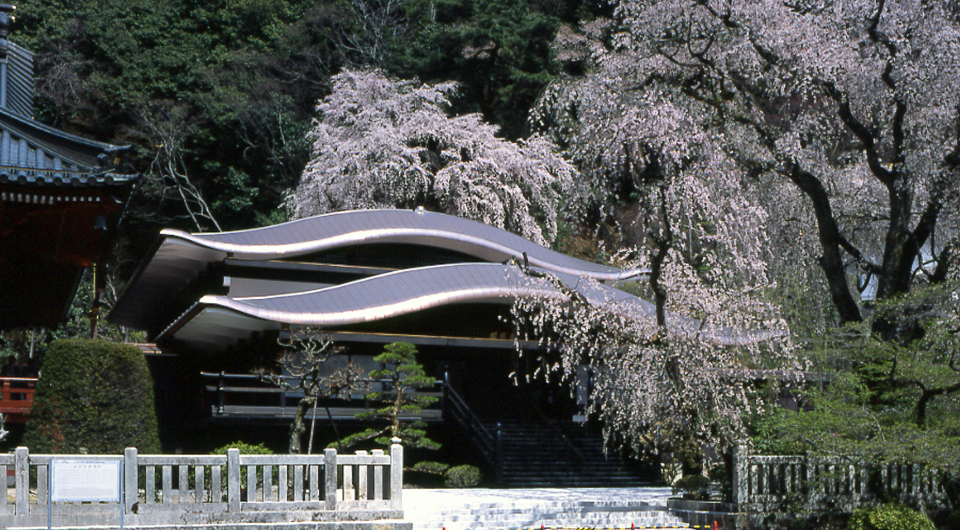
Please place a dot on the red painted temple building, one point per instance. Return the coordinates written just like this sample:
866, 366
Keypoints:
61, 197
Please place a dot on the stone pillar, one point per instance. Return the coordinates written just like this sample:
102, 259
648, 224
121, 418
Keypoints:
396, 474
130, 494
740, 480
330, 478
22, 470
233, 479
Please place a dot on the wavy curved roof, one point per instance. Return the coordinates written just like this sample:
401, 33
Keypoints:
216, 321
419, 227
179, 256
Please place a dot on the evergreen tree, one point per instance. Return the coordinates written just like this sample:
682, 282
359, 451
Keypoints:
401, 376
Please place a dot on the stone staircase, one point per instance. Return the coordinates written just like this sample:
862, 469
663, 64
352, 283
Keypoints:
536, 455
531, 509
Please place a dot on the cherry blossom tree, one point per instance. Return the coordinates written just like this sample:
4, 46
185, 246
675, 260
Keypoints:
381, 143
744, 143
840, 117
663, 381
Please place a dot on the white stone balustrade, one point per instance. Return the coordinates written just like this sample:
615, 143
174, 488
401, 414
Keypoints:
762, 482
193, 489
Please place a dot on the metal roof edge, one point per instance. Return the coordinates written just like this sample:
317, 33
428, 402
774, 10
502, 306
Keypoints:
286, 250
30, 122
135, 278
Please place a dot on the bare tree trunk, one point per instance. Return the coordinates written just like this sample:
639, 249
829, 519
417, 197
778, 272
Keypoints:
297, 428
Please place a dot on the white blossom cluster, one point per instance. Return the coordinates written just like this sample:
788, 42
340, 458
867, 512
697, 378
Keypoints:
815, 138
863, 96
761, 141
653, 383
380, 143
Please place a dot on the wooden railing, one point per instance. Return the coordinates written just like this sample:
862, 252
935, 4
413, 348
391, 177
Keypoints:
762, 482
248, 396
183, 489
16, 398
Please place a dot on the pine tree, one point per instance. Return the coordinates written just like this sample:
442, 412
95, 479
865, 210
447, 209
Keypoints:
401, 376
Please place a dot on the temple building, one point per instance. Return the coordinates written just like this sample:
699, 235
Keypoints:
61, 197
217, 303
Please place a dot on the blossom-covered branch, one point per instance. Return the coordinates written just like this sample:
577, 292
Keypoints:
381, 143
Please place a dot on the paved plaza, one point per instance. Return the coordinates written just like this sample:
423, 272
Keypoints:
461, 509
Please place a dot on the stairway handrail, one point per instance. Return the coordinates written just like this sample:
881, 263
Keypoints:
469, 420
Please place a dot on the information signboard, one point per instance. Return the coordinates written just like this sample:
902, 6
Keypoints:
85, 480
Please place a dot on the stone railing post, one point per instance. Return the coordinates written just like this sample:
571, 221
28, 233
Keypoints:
396, 474
375, 477
22, 469
740, 480
330, 478
131, 493
233, 479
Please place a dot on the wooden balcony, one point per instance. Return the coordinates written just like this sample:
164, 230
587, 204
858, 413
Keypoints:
16, 398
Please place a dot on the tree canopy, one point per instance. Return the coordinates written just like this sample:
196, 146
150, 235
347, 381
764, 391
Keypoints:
380, 143
778, 166
762, 147
843, 115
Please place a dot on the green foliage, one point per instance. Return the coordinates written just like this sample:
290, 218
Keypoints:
498, 50
462, 477
245, 76
889, 517
402, 375
696, 487
245, 449
247, 73
402, 370
881, 400
433, 468
93, 394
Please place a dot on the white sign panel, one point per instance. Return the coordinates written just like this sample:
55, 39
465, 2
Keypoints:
85, 480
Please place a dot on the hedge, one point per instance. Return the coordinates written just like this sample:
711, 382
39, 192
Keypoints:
93, 394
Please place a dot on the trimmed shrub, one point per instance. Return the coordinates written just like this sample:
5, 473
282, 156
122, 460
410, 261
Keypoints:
432, 468
461, 477
245, 449
93, 394
693, 487
889, 517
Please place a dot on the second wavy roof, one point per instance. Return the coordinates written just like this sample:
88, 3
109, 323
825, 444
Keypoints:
178, 257
218, 321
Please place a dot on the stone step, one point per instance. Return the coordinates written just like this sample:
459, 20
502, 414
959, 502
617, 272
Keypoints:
535, 455
533, 519
531, 508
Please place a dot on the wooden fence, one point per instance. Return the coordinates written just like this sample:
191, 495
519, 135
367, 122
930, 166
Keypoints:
762, 483
165, 489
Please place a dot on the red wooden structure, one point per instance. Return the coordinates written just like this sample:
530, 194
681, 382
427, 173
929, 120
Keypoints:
16, 398
61, 197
